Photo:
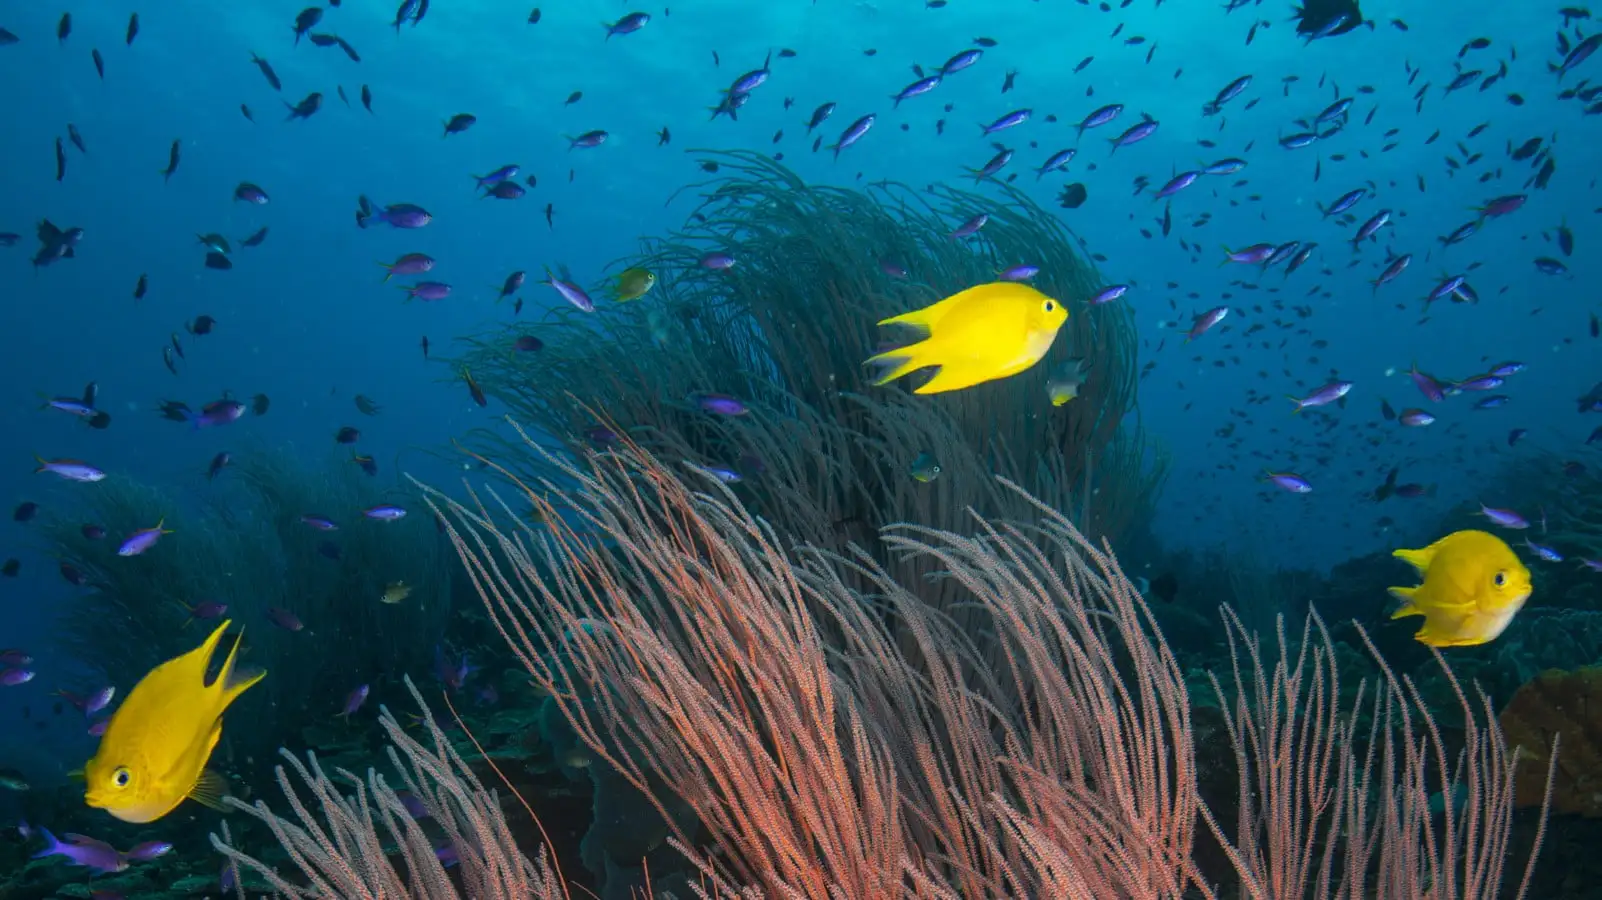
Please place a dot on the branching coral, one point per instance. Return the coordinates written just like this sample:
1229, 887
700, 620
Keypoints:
1041, 748
341, 844
245, 545
785, 329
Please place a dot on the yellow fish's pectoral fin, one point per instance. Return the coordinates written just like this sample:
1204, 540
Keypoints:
210, 791
1405, 594
1418, 559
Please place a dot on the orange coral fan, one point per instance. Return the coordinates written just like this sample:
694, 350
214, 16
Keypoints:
1567, 704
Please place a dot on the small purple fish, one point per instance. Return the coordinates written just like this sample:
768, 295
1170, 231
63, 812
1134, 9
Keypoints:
14, 677
970, 227
408, 264
98, 700
1135, 134
83, 851
629, 24
1108, 294
70, 469
853, 133
570, 292
1426, 384
1252, 255
149, 850
284, 619
1010, 120
720, 404
354, 701
1205, 322
399, 215
1506, 518
717, 261
587, 140
1019, 273
142, 540
15, 658
1176, 184
1289, 481
921, 86
1325, 395
1415, 418
426, 291
319, 522
385, 513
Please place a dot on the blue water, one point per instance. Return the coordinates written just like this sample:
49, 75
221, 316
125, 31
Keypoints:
306, 319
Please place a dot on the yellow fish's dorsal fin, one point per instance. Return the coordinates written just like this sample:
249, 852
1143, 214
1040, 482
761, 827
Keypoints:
1418, 559
210, 791
929, 317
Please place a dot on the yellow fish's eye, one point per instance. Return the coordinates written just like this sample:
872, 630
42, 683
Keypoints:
1050, 305
121, 776
1500, 579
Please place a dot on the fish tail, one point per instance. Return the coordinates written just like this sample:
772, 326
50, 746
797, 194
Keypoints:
232, 686
389, 271
900, 361
1408, 607
52, 845
1299, 404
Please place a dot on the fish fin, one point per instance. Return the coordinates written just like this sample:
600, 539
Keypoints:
1418, 559
1408, 608
210, 791
927, 318
954, 376
51, 844
901, 361
232, 683
77, 774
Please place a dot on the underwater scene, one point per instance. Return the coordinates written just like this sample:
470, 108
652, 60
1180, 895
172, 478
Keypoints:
827, 449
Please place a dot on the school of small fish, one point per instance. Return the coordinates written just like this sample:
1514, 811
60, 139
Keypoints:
1472, 582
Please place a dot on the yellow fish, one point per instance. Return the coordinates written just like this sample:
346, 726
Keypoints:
1473, 585
978, 335
634, 283
155, 749
395, 592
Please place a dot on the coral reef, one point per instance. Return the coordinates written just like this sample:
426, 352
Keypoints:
1047, 752
1559, 707
785, 330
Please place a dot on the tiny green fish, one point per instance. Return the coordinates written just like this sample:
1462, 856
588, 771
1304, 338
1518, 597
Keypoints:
925, 468
634, 283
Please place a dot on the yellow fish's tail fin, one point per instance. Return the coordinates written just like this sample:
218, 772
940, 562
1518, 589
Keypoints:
1408, 608
901, 361
211, 790
1418, 559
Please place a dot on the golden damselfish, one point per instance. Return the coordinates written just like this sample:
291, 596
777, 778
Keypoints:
1473, 586
155, 748
983, 333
